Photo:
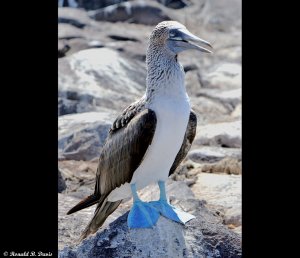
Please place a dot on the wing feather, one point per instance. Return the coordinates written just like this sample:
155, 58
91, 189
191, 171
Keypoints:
187, 141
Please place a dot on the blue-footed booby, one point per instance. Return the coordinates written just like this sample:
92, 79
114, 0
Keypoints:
150, 138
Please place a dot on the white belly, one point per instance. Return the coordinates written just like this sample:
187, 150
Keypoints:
172, 119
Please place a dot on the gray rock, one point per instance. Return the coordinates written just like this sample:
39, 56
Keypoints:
227, 134
148, 13
76, 17
61, 184
96, 4
212, 154
68, 31
98, 78
175, 4
204, 236
237, 112
63, 48
224, 76
209, 110
221, 16
231, 166
223, 193
80, 136
229, 98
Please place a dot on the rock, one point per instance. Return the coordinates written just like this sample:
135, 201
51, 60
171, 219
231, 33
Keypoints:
63, 48
221, 192
209, 110
220, 16
73, 16
95, 44
212, 154
175, 4
80, 136
237, 112
147, 13
224, 76
68, 31
71, 226
93, 79
203, 236
96, 4
227, 134
61, 185
229, 98
226, 165
79, 176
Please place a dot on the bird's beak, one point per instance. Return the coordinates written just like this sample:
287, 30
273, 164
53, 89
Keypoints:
185, 40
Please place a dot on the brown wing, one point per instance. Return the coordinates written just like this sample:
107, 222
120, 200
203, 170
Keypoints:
187, 142
123, 151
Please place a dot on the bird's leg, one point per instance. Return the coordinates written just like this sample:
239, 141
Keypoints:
164, 207
142, 214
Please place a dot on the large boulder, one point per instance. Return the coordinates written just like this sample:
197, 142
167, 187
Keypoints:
147, 13
204, 236
96, 4
226, 134
224, 76
223, 193
81, 136
76, 17
212, 154
98, 78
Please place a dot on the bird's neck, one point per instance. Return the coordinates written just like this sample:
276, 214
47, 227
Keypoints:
165, 76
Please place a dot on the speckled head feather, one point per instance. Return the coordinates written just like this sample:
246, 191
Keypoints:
161, 32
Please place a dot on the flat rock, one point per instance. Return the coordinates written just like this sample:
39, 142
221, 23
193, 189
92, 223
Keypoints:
227, 134
229, 98
227, 165
98, 78
147, 13
224, 76
223, 193
96, 4
209, 110
74, 16
211, 154
204, 236
80, 136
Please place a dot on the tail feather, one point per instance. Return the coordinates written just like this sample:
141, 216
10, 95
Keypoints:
100, 215
87, 202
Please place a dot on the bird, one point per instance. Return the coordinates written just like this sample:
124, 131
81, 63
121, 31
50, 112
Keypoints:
150, 138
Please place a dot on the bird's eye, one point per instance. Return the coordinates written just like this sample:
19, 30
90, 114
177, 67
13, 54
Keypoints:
172, 34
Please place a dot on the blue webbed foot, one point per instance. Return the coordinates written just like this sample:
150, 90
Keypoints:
167, 210
142, 214
170, 212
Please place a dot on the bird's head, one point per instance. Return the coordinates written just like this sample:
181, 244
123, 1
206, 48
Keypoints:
176, 38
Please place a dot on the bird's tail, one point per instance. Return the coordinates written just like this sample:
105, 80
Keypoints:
87, 202
103, 210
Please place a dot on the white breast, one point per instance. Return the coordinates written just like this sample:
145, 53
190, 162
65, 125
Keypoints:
172, 119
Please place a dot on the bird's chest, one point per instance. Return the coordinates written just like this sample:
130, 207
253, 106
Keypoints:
172, 118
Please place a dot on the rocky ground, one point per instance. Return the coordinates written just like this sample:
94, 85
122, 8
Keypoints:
101, 60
